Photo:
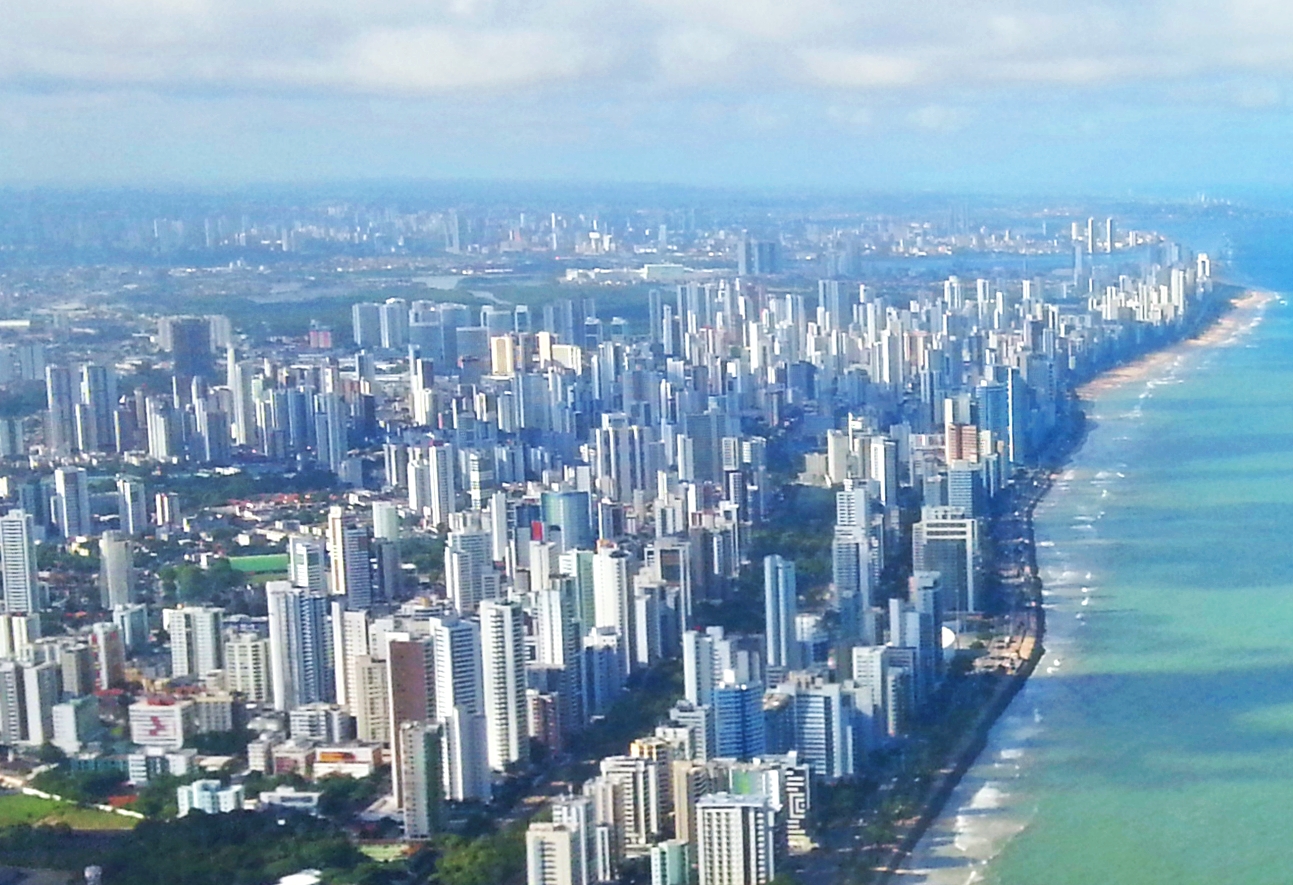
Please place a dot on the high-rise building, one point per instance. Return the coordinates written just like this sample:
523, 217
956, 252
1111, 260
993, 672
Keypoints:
469, 568
132, 621
188, 339
306, 563
109, 655
467, 776
60, 416
116, 570
72, 513
851, 563
612, 599
350, 642
298, 645
197, 639
458, 666
42, 688
421, 789
331, 430
241, 373
739, 729
13, 706
671, 863
352, 575
947, 541
737, 839
569, 511
386, 521
575, 813
369, 700
388, 571
18, 564
394, 319
132, 506
247, 667
502, 641
421, 391
162, 424
780, 605
98, 395
410, 682
366, 323
551, 855
640, 816
824, 733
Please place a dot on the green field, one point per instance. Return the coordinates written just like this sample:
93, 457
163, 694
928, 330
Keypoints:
255, 565
16, 808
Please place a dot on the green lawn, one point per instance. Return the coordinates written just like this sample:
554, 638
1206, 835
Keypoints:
16, 808
266, 562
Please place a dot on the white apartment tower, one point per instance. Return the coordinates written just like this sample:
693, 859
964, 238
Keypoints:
502, 640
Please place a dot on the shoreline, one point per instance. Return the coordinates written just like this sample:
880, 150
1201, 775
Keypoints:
1238, 315
1229, 323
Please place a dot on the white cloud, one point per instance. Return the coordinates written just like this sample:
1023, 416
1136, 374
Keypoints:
437, 46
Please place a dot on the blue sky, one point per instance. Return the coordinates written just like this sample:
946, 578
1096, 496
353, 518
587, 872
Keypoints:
1175, 96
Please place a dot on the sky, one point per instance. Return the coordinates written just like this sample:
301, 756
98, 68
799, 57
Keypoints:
1138, 98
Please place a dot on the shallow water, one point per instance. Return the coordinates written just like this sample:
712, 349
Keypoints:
1155, 742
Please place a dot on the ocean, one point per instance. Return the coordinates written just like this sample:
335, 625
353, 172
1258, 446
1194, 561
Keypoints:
1154, 744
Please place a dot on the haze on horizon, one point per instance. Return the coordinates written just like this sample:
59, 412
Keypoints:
1173, 96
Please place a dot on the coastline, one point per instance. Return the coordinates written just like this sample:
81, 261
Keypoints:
1231, 322
1234, 318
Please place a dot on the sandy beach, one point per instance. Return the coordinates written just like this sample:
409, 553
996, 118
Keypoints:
1247, 308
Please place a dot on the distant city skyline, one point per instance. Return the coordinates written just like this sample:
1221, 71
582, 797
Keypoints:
1003, 97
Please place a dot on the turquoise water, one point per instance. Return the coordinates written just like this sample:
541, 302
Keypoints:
1155, 743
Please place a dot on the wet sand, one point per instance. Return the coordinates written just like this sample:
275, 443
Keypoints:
1246, 310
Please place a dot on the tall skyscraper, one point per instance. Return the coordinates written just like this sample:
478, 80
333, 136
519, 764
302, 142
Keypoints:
109, 655
458, 667
98, 395
466, 756
386, 521
352, 575
132, 506
780, 605
13, 706
410, 681
73, 509
162, 426
331, 430
350, 642
551, 855
306, 562
421, 788
116, 569
738, 839
197, 639
739, 728
298, 645
612, 600
421, 391
60, 417
18, 563
241, 373
247, 668
503, 663
366, 323
569, 511
947, 541
469, 568
189, 341
851, 563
